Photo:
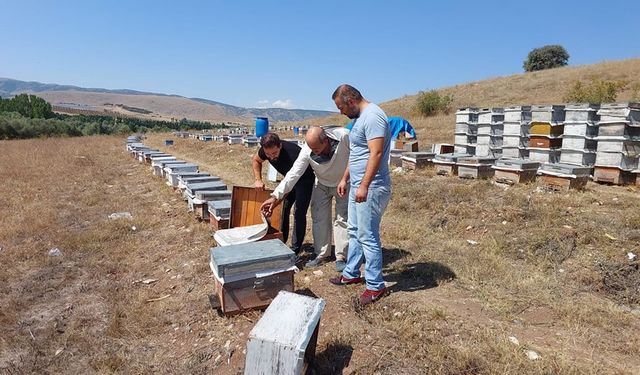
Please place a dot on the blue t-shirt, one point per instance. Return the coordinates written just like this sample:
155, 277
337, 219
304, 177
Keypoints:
371, 124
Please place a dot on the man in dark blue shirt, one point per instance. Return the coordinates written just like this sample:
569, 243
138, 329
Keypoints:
281, 155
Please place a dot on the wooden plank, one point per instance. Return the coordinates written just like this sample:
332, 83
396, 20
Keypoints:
514, 176
245, 208
611, 175
563, 183
250, 212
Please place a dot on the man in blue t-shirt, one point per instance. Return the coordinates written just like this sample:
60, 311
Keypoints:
370, 190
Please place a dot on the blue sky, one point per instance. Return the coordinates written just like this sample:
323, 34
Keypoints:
294, 53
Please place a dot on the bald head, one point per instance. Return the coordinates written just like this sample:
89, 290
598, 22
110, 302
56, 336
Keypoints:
317, 140
315, 136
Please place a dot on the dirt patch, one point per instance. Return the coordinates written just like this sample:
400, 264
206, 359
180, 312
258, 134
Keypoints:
621, 282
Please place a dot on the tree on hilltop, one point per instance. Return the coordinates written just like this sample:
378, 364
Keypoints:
547, 57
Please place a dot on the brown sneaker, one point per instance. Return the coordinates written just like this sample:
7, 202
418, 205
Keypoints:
341, 280
370, 296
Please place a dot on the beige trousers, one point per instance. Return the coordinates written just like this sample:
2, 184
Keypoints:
324, 228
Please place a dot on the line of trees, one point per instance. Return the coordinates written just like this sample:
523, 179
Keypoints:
28, 116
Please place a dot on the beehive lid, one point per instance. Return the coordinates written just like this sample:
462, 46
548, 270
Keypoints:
477, 160
582, 107
546, 108
250, 258
221, 208
419, 155
466, 110
212, 185
178, 166
164, 163
517, 164
213, 194
450, 158
518, 108
621, 105
565, 170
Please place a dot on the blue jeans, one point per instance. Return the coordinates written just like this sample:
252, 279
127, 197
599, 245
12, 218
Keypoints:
363, 227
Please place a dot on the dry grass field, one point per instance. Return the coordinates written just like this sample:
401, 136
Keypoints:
480, 274
549, 269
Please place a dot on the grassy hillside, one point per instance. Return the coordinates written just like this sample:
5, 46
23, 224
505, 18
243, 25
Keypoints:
148, 105
543, 87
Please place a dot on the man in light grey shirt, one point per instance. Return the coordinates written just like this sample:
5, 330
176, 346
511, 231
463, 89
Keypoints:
327, 152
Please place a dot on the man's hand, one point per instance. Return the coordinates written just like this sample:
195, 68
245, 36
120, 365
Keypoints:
267, 206
259, 184
341, 189
361, 193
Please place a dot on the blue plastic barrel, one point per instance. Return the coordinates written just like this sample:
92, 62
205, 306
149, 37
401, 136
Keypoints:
296, 130
262, 126
168, 142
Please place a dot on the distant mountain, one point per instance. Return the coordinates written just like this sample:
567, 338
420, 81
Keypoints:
148, 104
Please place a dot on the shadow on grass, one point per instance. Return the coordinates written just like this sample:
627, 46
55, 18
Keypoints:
332, 360
417, 276
392, 255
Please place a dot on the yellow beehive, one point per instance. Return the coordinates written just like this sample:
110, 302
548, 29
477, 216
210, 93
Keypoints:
544, 128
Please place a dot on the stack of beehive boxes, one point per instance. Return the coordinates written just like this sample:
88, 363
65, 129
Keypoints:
580, 130
545, 133
465, 138
490, 132
618, 145
577, 152
515, 136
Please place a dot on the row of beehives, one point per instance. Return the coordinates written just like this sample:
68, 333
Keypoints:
511, 170
205, 194
247, 275
605, 135
248, 140
235, 218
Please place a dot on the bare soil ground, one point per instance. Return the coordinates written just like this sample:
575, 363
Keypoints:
549, 269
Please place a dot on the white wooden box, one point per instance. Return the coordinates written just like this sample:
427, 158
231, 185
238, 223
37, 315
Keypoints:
544, 155
515, 128
519, 114
616, 159
552, 114
581, 112
580, 129
577, 142
284, 340
577, 157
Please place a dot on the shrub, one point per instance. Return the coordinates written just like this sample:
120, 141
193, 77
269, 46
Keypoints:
595, 91
431, 102
546, 57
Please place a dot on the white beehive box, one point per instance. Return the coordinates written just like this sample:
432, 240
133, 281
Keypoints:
283, 341
552, 114
581, 112
515, 128
576, 142
616, 159
577, 157
468, 115
514, 152
580, 129
544, 155
519, 114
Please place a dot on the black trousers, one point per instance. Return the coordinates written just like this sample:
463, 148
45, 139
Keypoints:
299, 198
